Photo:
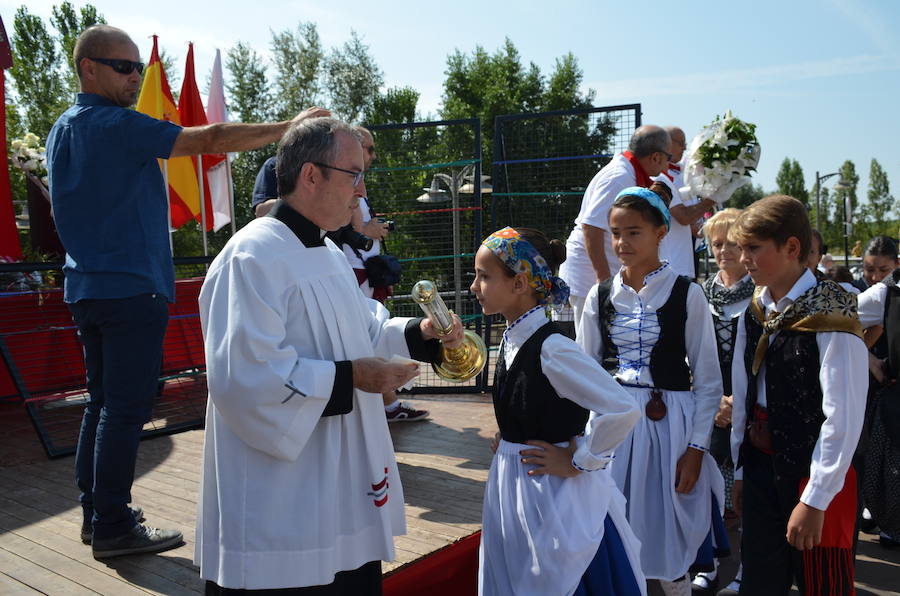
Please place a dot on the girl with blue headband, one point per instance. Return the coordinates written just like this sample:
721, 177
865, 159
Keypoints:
652, 331
554, 521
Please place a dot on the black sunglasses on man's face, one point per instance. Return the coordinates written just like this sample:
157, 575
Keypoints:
124, 67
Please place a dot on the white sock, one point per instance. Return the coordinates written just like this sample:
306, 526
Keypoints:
866, 514
681, 587
392, 407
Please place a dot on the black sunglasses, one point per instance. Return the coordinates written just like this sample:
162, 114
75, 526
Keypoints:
124, 67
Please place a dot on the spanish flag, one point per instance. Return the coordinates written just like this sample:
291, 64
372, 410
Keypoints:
156, 101
190, 109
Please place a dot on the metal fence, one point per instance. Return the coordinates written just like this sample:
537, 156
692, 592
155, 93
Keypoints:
427, 180
544, 161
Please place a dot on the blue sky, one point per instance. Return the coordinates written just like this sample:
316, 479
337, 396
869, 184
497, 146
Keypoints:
821, 79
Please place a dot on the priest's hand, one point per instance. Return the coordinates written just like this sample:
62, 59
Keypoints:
313, 112
376, 375
452, 340
804, 529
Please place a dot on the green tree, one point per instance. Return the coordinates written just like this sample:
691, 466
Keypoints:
40, 88
397, 104
790, 180
871, 218
745, 196
70, 24
879, 194
353, 78
298, 58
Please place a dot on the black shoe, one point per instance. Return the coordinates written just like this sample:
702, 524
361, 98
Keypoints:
141, 539
703, 585
87, 529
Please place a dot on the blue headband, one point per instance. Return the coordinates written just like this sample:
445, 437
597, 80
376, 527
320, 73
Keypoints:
651, 197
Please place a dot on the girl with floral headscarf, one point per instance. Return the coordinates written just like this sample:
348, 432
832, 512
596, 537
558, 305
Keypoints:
543, 531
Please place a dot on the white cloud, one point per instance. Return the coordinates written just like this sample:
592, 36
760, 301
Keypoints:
743, 79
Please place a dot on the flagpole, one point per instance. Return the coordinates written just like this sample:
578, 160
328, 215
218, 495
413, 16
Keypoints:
202, 204
165, 169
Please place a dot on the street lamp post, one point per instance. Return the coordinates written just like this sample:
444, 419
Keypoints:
844, 185
819, 180
455, 182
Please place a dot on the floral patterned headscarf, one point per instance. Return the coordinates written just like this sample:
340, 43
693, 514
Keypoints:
520, 256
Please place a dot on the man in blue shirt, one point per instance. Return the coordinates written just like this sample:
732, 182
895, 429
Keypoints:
109, 202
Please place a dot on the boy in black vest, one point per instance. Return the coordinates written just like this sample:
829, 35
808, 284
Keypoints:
799, 400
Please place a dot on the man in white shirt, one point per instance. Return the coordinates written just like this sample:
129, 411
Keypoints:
589, 253
678, 245
299, 485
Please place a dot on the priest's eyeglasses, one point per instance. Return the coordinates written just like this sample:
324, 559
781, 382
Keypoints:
125, 67
357, 176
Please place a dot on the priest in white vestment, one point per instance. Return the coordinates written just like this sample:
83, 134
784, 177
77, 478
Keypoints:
299, 485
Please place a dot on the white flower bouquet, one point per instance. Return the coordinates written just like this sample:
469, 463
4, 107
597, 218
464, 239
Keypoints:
31, 157
721, 158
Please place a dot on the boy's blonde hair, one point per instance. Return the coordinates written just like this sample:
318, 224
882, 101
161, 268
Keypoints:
777, 218
720, 222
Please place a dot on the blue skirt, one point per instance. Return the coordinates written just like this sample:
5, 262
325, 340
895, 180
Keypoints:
610, 571
716, 545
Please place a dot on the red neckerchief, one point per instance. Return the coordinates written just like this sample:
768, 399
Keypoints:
669, 176
674, 166
641, 177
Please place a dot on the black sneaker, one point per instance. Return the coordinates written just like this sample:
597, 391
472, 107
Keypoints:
87, 529
404, 413
141, 539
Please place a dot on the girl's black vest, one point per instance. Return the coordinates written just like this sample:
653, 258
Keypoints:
668, 358
793, 395
525, 403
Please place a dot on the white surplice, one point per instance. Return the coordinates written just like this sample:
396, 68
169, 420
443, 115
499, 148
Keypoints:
541, 532
289, 497
671, 526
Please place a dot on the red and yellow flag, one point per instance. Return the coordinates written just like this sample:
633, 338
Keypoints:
190, 109
156, 101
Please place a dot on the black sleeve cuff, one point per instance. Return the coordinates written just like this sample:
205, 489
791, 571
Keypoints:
419, 348
341, 400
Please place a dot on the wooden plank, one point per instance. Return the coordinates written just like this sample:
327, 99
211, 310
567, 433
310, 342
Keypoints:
38, 578
155, 573
11, 587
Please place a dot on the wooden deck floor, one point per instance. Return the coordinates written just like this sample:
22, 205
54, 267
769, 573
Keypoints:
443, 464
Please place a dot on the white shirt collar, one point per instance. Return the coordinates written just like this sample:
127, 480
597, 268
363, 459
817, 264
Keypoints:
805, 282
718, 280
524, 327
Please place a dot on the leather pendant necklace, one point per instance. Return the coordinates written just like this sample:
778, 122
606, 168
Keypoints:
656, 407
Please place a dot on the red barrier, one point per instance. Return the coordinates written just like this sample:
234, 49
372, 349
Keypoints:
40, 335
451, 571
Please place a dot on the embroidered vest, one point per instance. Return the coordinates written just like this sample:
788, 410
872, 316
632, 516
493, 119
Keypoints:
525, 403
668, 358
793, 395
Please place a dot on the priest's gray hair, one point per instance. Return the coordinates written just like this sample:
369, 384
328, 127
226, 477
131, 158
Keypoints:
310, 140
649, 139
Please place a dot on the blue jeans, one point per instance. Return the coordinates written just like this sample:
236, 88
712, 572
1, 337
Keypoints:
123, 342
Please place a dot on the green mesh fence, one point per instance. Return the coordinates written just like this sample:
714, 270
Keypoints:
544, 161
426, 179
